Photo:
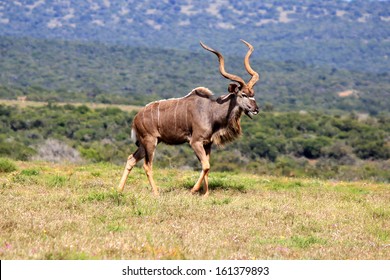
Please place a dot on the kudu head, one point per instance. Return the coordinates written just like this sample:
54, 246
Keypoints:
244, 92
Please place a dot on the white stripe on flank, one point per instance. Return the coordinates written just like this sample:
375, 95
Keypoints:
177, 103
158, 116
151, 113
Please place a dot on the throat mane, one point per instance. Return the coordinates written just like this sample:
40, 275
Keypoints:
229, 132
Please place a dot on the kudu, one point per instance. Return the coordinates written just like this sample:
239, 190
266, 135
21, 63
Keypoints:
197, 118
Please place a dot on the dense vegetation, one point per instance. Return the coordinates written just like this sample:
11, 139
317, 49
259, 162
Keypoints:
65, 71
343, 34
292, 144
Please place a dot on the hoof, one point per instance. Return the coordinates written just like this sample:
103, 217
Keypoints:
193, 192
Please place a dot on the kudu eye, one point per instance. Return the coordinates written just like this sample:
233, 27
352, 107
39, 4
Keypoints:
244, 95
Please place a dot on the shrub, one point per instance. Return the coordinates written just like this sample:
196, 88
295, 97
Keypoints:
311, 148
56, 151
6, 165
16, 150
338, 150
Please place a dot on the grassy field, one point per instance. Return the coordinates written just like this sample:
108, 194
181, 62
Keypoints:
68, 211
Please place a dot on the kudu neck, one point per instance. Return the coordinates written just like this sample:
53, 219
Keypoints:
227, 107
226, 119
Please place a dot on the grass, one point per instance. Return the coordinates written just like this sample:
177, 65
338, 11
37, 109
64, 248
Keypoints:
6, 165
50, 211
24, 104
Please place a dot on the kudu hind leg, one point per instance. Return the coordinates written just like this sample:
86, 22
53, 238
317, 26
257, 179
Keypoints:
131, 162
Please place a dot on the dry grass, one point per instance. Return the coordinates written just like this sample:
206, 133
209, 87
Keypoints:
73, 212
25, 104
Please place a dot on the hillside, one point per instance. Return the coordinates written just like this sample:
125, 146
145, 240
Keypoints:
342, 34
67, 71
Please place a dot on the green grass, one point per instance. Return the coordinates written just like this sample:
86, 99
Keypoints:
74, 212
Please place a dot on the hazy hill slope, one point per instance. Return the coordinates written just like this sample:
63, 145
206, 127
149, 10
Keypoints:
64, 71
344, 34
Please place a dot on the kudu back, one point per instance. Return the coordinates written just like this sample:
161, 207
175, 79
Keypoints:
198, 118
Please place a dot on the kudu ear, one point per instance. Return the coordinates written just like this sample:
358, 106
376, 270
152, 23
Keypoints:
233, 88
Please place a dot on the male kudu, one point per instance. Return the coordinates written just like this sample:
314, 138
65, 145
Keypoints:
197, 118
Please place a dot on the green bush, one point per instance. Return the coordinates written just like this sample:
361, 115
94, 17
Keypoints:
30, 172
7, 165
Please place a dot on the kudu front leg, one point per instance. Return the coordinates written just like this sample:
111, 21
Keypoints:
203, 154
131, 162
149, 173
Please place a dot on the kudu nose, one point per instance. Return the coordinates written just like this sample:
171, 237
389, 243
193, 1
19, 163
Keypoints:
256, 110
